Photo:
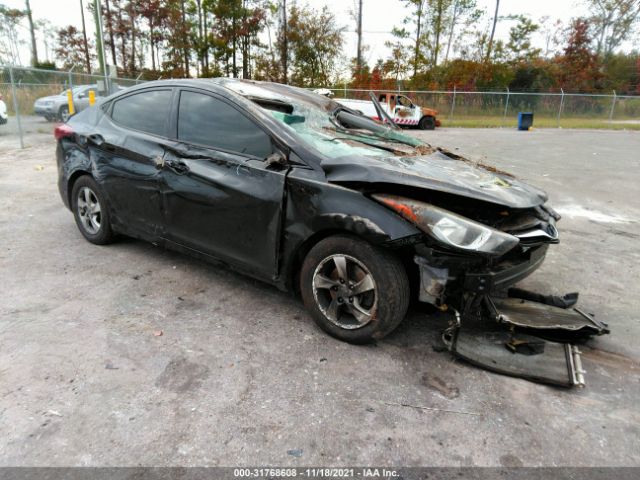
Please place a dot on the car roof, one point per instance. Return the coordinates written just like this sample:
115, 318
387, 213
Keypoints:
243, 88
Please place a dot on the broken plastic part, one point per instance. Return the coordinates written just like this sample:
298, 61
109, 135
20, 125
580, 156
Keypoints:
432, 281
484, 346
538, 316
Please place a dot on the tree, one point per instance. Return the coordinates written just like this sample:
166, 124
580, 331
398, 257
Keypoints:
614, 21
417, 20
579, 66
32, 33
465, 14
493, 31
87, 58
10, 19
519, 47
70, 49
396, 64
315, 41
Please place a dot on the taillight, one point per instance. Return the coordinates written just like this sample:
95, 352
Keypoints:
63, 131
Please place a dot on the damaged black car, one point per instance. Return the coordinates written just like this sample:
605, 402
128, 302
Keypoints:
297, 190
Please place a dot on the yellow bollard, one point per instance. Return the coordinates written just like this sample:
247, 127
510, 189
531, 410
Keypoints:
92, 98
70, 102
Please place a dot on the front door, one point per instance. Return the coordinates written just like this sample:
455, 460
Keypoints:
218, 195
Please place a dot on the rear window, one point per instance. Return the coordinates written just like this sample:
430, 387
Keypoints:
145, 111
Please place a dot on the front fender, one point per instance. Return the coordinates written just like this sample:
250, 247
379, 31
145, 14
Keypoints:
317, 209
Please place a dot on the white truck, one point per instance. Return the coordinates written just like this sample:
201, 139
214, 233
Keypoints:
403, 111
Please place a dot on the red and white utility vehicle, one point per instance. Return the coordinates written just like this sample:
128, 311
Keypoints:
403, 111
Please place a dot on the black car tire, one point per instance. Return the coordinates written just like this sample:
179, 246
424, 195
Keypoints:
64, 111
427, 123
103, 234
390, 293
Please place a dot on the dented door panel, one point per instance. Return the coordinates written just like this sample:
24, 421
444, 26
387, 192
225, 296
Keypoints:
225, 206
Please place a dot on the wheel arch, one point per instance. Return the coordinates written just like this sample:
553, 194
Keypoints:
73, 178
426, 116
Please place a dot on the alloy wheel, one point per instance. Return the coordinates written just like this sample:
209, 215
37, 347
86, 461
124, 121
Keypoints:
89, 210
345, 291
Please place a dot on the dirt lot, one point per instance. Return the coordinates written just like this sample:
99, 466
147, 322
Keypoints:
240, 374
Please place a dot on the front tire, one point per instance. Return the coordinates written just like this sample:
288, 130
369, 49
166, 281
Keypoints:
90, 211
427, 123
354, 291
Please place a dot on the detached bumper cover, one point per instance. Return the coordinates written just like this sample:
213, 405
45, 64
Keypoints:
505, 275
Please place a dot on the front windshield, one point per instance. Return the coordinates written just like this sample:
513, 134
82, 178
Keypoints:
330, 128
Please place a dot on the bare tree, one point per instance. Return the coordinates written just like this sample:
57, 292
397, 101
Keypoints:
84, 36
32, 31
493, 31
614, 22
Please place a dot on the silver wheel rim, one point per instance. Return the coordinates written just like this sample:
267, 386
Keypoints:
345, 291
64, 115
89, 210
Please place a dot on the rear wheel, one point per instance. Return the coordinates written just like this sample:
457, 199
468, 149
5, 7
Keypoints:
90, 211
427, 123
354, 291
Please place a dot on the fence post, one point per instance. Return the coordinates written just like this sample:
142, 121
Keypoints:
71, 77
15, 104
453, 103
613, 106
506, 107
561, 105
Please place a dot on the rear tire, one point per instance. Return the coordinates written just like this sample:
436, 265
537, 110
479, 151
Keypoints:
354, 291
427, 123
91, 211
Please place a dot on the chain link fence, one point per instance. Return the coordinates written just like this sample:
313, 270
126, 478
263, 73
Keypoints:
500, 109
36, 99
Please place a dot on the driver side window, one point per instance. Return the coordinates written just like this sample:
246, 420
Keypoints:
205, 120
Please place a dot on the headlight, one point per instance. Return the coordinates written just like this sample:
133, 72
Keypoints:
449, 228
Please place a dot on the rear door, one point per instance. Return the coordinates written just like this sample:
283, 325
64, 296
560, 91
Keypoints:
131, 139
219, 196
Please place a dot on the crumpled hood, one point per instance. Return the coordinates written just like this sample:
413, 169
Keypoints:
436, 172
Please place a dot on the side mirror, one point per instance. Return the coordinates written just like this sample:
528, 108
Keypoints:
276, 161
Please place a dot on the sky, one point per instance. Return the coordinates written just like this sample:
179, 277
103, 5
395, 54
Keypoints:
379, 17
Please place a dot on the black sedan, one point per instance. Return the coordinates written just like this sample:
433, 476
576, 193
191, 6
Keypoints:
297, 190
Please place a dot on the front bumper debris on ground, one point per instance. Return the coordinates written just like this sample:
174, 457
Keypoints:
523, 338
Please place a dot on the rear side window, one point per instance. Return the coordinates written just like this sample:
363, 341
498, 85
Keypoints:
145, 111
207, 121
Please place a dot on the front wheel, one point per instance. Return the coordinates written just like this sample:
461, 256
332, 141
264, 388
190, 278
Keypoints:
354, 291
427, 123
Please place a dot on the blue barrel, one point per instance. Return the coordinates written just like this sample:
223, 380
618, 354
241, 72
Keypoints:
525, 120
